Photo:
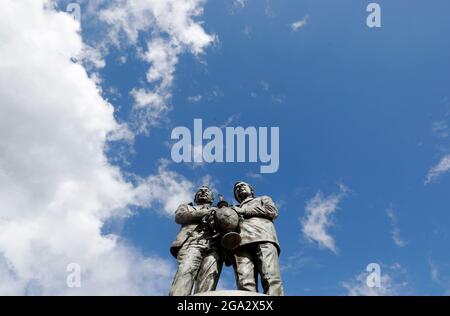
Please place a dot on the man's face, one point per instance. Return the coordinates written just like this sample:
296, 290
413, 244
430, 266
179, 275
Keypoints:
204, 195
243, 191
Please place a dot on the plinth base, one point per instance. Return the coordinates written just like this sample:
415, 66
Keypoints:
230, 293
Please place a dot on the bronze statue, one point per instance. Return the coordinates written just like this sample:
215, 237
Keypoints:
242, 235
259, 248
196, 247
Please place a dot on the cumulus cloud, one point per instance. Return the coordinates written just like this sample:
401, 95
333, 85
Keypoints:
58, 187
169, 29
442, 167
296, 25
318, 218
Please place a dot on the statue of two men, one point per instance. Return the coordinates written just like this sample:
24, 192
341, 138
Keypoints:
200, 254
195, 247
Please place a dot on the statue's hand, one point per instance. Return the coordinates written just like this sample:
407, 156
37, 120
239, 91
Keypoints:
238, 210
212, 211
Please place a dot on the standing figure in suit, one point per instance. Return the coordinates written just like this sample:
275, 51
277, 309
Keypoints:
196, 247
259, 249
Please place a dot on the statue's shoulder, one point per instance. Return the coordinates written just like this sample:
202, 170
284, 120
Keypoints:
265, 198
186, 206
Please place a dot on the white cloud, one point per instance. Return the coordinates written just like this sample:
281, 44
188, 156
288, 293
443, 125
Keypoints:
442, 167
254, 175
229, 120
358, 287
268, 11
439, 275
93, 57
195, 98
240, 3
440, 128
237, 6
296, 25
395, 232
166, 190
58, 188
297, 262
434, 272
264, 85
318, 219
149, 107
169, 30
278, 99
247, 31
392, 283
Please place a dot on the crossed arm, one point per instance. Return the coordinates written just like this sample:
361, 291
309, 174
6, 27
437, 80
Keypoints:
265, 208
189, 215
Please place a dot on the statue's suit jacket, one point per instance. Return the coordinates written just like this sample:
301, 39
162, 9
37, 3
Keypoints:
189, 216
257, 225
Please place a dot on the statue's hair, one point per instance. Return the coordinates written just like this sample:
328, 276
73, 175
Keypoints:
207, 187
234, 190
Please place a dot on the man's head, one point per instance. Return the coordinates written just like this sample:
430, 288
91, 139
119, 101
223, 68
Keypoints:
204, 195
242, 190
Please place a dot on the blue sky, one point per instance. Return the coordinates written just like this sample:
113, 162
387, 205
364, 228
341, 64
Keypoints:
355, 106
363, 115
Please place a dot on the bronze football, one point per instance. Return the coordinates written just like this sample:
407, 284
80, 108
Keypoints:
226, 220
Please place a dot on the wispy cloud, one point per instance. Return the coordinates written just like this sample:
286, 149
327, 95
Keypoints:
434, 272
296, 25
264, 85
395, 231
254, 175
440, 129
278, 99
318, 218
247, 31
168, 29
268, 11
392, 282
195, 98
240, 3
442, 167
298, 261
439, 274
229, 120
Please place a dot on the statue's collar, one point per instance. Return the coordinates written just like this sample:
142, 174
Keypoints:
200, 206
246, 200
